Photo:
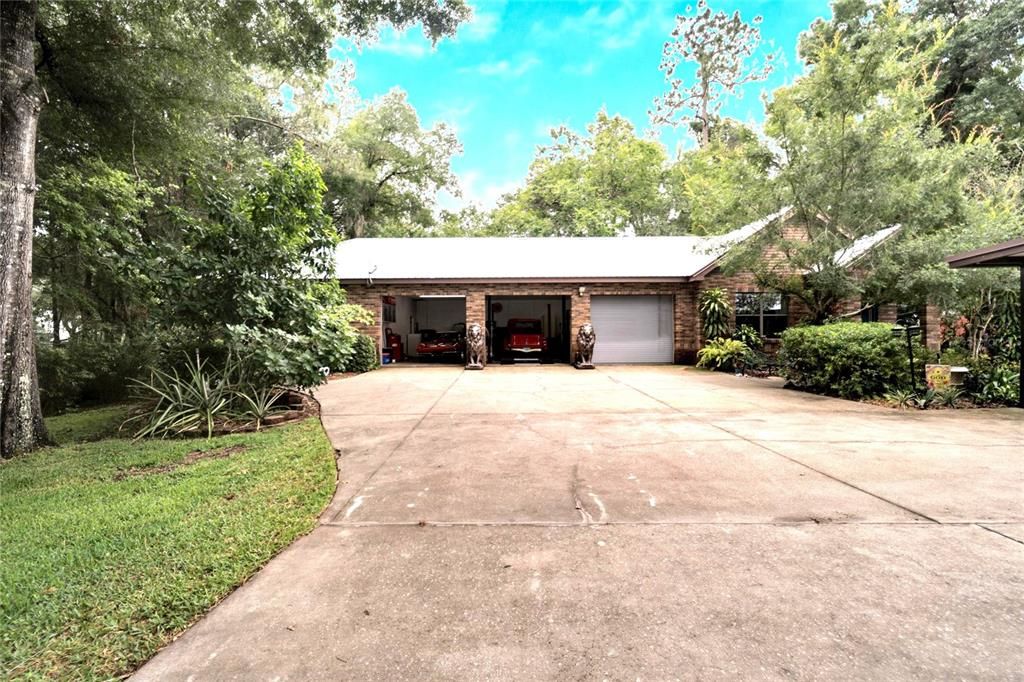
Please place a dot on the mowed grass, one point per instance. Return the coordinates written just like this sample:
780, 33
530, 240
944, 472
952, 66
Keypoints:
109, 549
88, 425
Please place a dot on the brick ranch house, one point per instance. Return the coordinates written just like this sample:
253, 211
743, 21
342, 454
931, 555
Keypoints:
640, 293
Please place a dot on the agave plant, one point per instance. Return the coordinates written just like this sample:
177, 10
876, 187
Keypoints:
901, 397
949, 397
188, 401
924, 399
258, 403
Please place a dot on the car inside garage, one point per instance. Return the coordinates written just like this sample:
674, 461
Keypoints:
633, 329
423, 328
528, 328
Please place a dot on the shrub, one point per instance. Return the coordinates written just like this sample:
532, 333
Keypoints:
257, 403
276, 357
90, 368
750, 336
992, 382
715, 313
723, 354
925, 398
848, 359
364, 358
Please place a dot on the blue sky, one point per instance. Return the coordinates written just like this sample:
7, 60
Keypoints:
520, 67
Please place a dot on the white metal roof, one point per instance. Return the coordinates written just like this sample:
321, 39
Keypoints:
536, 258
860, 246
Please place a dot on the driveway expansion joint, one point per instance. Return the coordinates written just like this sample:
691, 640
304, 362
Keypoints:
777, 453
1002, 535
464, 555
344, 508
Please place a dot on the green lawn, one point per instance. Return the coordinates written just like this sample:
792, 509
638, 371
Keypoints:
110, 548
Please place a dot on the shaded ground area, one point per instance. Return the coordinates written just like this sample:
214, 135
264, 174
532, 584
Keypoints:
637, 522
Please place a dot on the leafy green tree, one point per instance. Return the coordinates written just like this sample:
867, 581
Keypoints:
383, 171
604, 183
470, 221
723, 185
136, 84
255, 277
915, 271
978, 68
862, 152
722, 48
91, 257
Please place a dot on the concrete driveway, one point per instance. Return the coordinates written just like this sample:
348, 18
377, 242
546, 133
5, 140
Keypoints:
636, 523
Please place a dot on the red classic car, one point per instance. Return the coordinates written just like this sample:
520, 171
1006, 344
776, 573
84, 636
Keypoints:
524, 338
442, 344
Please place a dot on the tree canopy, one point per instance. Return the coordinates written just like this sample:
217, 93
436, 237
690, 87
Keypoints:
147, 124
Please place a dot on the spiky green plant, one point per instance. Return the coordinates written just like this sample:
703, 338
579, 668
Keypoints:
723, 354
715, 313
949, 397
181, 402
258, 403
900, 397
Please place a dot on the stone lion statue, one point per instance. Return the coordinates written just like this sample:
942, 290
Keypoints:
585, 339
476, 347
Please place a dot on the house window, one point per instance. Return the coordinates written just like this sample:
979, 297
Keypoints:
765, 312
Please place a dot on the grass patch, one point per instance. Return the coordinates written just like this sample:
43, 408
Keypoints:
87, 425
112, 547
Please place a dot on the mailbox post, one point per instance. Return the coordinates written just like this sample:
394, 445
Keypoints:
909, 325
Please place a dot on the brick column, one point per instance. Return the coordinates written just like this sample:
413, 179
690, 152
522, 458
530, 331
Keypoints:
686, 325
476, 309
579, 314
370, 299
930, 321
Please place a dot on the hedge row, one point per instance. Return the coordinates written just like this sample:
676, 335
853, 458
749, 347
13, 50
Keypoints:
848, 359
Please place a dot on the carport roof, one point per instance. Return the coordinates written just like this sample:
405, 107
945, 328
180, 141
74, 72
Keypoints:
537, 258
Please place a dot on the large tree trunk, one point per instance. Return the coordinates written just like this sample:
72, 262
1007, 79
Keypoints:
21, 419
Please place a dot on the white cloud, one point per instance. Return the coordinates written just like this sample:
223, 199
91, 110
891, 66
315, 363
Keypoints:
504, 68
455, 113
483, 26
619, 28
585, 69
476, 193
408, 43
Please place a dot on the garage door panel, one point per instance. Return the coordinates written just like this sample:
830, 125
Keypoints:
632, 329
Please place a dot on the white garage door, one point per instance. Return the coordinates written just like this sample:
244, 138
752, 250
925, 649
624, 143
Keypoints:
632, 328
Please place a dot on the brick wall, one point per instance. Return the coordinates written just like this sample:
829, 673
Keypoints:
685, 295
476, 295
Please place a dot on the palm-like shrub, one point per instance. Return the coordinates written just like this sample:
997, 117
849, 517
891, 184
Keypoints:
749, 336
194, 399
723, 354
715, 313
257, 403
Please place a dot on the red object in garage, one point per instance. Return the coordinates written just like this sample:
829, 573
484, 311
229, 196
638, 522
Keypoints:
394, 343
